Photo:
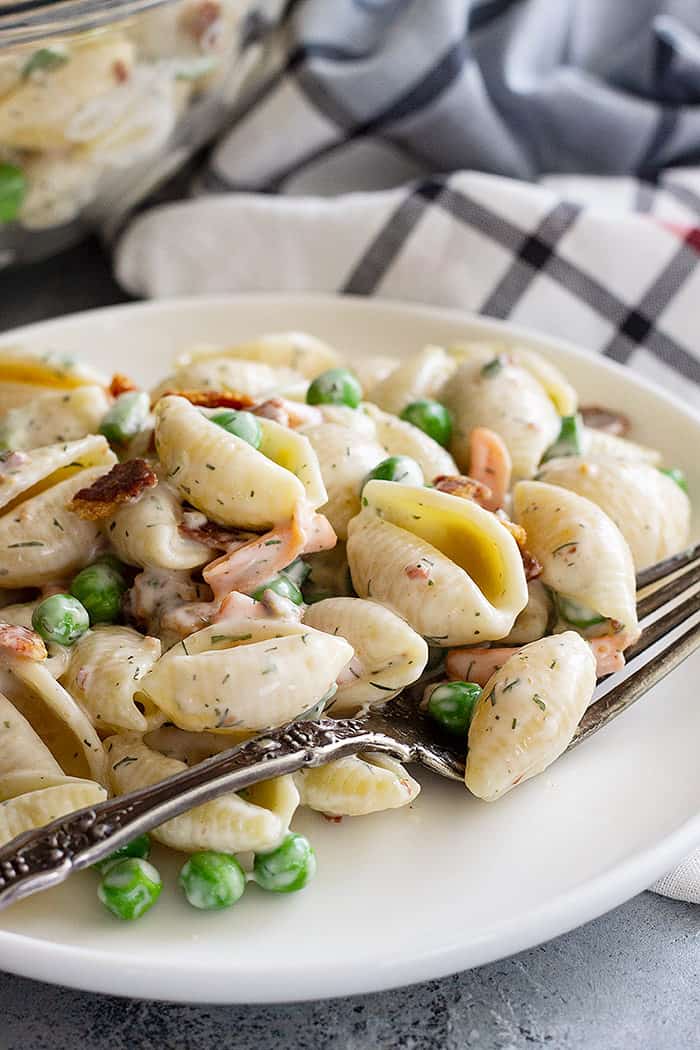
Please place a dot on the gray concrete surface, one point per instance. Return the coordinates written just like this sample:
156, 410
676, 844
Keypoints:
628, 981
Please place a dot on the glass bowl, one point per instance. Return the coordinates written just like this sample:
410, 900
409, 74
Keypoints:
101, 101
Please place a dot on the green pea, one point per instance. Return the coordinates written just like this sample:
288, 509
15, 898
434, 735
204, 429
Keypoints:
452, 704
570, 440
337, 386
99, 588
130, 887
140, 847
575, 614
241, 424
288, 868
677, 475
298, 572
432, 418
45, 59
13, 189
127, 416
401, 469
60, 618
113, 562
212, 881
283, 586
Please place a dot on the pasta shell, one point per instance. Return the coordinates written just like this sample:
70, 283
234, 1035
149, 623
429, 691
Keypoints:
147, 533
344, 459
37, 808
25, 762
528, 713
511, 402
59, 186
299, 351
444, 564
40, 540
399, 438
33, 788
226, 478
25, 473
103, 675
598, 443
24, 374
651, 511
583, 554
40, 686
252, 379
372, 370
36, 115
422, 375
389, 655
230, 824
533, 621
355, 786
55, 416
245, 676
558, 388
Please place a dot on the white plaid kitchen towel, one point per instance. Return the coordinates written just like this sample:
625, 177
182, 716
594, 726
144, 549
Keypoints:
532, 160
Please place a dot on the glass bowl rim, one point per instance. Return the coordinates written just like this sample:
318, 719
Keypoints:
26, 21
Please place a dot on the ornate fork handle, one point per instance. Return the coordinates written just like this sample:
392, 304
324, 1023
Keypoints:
45, 857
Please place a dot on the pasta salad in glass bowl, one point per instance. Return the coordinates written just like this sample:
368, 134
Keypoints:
271, 534
101, 103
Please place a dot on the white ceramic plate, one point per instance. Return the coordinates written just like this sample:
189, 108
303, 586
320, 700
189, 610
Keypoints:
450, 882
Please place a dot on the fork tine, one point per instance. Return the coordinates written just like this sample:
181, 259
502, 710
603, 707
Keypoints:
640, 681
667, 591
663, 626
667, 566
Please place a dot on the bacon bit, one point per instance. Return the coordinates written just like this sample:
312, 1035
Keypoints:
490, 463
185, 619
517, 531
82, 677
331, 819
121, 72
608, 650
477, 665
200, 19
463, 486
417, 572
212, 398
531, 565
257, 561
125, 483
22, 642
11, 461
274, 409
121, 384
288, 413
609, 422
218, 537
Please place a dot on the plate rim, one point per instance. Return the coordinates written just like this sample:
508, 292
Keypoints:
121, 974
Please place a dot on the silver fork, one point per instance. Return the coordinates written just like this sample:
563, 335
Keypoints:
668, 604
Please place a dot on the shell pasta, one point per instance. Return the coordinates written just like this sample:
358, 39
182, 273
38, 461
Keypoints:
269, 536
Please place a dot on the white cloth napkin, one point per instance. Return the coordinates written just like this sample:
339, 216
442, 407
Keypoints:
361, 95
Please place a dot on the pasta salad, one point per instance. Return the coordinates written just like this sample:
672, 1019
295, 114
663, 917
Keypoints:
269, 535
